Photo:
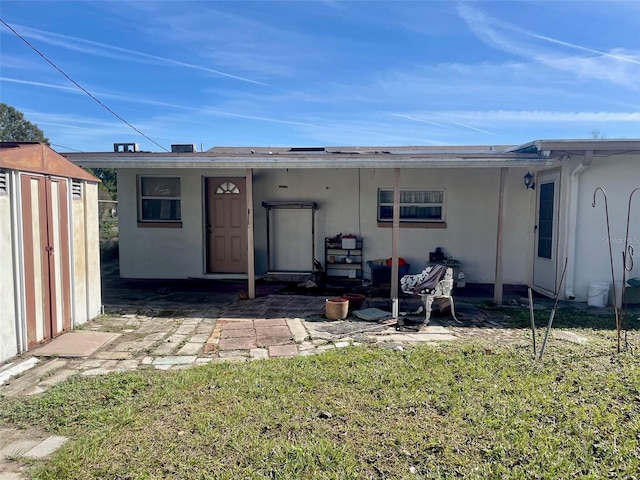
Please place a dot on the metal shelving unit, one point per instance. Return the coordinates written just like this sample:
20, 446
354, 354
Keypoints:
343, 263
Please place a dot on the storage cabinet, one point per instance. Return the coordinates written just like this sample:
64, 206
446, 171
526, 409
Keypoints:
343, 263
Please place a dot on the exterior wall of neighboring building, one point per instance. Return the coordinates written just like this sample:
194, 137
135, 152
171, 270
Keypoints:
347, 203
618, 176
8, 339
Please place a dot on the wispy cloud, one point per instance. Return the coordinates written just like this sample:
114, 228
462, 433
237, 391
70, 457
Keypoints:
76, 121
529, 116
618, 66
200, 115
114, 52
470, 127
40, 84
617, 56
136, 99
22, 63
416, 119
257, 43
442, 125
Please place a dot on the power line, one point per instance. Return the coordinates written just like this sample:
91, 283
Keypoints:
78, 85
66, 148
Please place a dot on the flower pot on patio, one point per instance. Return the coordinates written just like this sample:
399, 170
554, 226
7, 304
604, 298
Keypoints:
355, 300
336, 308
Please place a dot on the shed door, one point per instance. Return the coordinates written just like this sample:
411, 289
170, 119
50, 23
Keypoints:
546, 240
45, 224
226, 225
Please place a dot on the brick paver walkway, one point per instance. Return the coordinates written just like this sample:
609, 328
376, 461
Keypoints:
240, 331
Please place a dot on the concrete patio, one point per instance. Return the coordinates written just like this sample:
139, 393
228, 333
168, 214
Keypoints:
181, 335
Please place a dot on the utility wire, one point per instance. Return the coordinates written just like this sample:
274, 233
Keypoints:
78, 85
66, 148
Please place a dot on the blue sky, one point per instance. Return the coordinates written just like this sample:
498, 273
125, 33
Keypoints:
323, 73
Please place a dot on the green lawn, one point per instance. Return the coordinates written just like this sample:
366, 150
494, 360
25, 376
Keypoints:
468, 411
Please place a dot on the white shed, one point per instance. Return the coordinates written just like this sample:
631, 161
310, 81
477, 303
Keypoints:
49, 243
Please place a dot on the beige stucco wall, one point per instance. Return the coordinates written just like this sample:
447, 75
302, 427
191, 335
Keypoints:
78, 237
86, 257
8, 342
163, 252
618, 175
92, 239
471, 213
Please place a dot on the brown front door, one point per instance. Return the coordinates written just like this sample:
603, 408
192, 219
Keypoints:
226, 225
45, 222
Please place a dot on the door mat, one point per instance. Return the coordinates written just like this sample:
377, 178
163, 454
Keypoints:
75, 344
372, 314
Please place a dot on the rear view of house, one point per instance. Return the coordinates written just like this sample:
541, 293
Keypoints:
508, 214
49, 246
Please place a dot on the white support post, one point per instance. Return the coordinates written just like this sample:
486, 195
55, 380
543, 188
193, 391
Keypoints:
251, 269
395, 237
502, 211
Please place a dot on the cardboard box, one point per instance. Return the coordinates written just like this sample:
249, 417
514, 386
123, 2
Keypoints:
348, 242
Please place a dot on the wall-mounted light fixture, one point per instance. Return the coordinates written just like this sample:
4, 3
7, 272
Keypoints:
528, 181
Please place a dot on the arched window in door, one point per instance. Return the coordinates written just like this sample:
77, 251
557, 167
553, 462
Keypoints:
228, 187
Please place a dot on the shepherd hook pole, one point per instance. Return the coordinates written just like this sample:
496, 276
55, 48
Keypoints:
627, 259
613, 277
533, 322
555, 306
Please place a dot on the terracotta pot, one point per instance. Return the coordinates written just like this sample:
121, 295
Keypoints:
336, 308
355, 300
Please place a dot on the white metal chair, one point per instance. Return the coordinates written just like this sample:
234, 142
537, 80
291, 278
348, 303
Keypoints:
434, 283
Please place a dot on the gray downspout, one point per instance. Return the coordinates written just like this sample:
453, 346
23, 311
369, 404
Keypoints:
574, 187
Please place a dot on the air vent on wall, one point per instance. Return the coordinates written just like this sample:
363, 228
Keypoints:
4, 183
76, 190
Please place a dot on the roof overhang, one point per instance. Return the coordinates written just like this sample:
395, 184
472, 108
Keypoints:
598, 147
311, 160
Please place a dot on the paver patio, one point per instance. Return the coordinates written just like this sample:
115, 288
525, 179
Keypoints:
176, 335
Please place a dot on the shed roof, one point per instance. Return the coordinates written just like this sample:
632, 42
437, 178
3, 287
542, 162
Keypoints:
39, 158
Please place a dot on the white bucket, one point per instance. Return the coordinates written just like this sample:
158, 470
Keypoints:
618, 293
598, 294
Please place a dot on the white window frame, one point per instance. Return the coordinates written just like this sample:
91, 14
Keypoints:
442, 205
142, 197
